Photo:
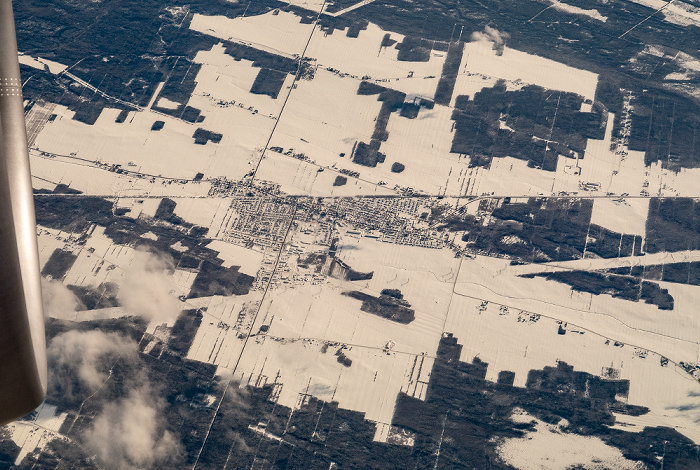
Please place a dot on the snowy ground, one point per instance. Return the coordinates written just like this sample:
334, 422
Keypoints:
507, 332
306, 325
324, 118
34, 434
278, 32
288, 333
680, 13
550, 447
41, 63
523, 68
565, 7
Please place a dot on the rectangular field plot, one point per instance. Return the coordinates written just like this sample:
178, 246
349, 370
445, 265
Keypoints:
279, 32
521, 341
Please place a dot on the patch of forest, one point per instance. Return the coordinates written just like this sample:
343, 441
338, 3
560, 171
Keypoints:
667, 128
388, 305
59, 263
539, 230
673, 224
463, 415
621, 287
178, 87
450, 70
414, 49
214, 279
608, 244
352, 27
369, 154
202, 136
681, 273
268, 82
532, 124
392, 101
471, 415
261, 59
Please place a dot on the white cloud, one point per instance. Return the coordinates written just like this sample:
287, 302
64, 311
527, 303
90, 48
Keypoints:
127, 433
130, 433
146, 289
87, 357
492, 35
59, 302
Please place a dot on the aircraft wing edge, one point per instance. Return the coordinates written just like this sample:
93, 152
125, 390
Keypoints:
23, 374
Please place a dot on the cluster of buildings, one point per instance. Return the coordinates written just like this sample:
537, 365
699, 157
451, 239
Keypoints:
259, 221
389, 219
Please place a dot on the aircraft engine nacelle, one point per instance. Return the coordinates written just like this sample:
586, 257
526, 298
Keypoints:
22, 341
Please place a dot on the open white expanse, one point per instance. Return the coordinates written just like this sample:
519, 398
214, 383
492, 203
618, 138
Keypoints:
510, 338
550, 447
281, 199
479, 57
307, 324
41, 63
36, 433
279, 32
591, 13
681, 13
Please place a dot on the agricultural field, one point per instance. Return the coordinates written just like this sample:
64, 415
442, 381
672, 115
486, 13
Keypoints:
365, 234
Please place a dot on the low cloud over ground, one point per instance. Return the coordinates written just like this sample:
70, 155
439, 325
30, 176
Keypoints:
128, 430
145, 289
492, 35
59, 301
131, 433
690, 406
79, 361
127, 427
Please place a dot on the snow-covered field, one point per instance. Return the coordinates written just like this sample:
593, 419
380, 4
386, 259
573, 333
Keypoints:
292, 327
303, 178
680, 13
517, 330
550, 447
249, 261
170, 152
279, 32
306, 325
512, 323
364, 57
245, 121
41, 63
614, 172
324, 118
622, 216
35, 434
638, 323
509, 322
517, 66
223, 95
